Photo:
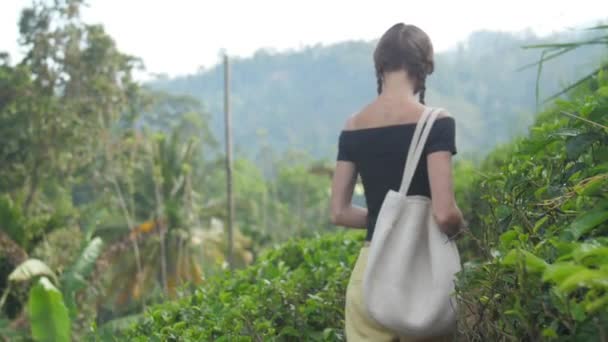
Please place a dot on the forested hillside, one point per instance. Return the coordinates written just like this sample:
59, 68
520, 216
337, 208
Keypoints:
300, 99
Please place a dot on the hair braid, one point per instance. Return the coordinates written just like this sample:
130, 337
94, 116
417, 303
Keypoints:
421, 86
379, 81
421, 94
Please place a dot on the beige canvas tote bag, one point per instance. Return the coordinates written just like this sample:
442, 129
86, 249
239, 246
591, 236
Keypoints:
409, 279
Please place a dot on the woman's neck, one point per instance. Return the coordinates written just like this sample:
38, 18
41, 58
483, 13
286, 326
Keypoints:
397, 84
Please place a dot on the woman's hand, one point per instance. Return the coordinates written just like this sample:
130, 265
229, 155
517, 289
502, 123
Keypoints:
343, 213
456, 232
447, 214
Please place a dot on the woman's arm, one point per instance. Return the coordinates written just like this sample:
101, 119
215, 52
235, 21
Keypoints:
343, 213
447, 214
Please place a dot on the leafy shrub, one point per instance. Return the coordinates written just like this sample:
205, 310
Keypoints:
294, 292
539, 220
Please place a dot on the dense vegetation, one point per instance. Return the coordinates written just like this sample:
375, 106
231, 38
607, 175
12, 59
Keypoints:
102, 213
539, 210
112, 195
301, 99
293, 293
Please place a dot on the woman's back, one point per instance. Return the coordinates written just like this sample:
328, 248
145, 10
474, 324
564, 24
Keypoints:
376, 141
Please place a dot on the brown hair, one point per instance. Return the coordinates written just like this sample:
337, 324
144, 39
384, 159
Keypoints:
405, 47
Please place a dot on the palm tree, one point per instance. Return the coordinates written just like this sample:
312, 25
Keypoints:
158, 194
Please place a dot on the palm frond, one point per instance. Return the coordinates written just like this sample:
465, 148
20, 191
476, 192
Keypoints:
30, 269
554, 50
74, 279
544, 59
595, 41
538, 74
598, 27
576, 84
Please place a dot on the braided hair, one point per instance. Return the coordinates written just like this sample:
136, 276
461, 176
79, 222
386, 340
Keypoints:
405, 47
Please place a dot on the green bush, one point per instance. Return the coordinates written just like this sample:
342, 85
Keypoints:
539, 222
293, 293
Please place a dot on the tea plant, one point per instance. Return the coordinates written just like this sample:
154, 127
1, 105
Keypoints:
293, 293
540, 223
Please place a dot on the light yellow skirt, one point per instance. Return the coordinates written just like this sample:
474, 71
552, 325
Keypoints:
359, 326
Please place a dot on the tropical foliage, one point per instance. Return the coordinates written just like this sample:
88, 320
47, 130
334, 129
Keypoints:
118, 190
293, 293
112, 194
539, 218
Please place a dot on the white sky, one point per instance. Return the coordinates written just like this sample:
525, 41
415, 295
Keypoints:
179, 36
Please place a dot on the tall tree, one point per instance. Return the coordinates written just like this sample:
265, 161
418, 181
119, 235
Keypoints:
60, 101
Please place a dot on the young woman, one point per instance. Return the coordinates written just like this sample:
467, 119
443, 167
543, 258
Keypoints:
374, 145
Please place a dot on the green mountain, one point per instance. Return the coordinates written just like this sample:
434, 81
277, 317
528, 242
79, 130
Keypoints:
300, 99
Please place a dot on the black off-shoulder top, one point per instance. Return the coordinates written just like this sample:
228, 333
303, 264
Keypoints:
379, 156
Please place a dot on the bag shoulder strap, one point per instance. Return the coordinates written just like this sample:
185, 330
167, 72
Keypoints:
421, 134
414, 142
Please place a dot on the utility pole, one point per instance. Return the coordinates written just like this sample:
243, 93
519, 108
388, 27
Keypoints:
229, 194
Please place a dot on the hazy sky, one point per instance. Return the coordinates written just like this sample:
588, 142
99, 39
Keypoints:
179, 36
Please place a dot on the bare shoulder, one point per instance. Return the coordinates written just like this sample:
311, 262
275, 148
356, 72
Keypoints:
353, 122
350, 123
